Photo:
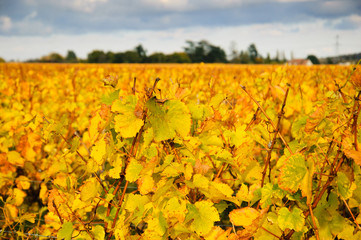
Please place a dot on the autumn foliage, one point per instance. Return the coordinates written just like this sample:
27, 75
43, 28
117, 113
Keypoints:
179, 152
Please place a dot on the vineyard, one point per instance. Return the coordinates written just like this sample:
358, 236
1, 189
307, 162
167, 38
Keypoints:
194, 151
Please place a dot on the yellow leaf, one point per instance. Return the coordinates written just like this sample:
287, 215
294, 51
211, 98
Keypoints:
89, 190
217, 233
30, 217
98, 151
355, 155
43, 192
223, 188
188, 171
133, 170
145, 184
244, 216
127, 124
243, 194
18, 196
10, 211
78, 204
176, 208
60, 180
15, 158
117, 168
23, 182
200, 181
94, 125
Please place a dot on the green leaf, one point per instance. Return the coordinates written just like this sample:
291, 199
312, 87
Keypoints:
99, 233
126, 122
66, 231
74, 144
344, 186
297, 126
292, 173
204, 214
197, 111
293, 220
168, 119
271, 194
217, 100
133, 170
109, 98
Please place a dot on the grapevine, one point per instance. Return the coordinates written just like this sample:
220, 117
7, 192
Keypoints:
180, 152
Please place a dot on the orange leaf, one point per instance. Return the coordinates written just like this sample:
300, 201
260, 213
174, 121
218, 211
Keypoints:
355, 155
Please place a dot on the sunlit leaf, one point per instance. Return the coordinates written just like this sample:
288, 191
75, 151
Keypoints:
204, 214
292, 173
133, 170
291, 219
168, 119
66, 231
244, 216
127, 124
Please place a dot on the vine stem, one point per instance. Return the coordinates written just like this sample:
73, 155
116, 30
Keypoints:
355, 114
268, 118
353, 217
314, 222
269, 154
118, 210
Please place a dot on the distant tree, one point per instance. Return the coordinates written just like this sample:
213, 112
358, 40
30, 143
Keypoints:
97, 56
156, 58
313, 59
52, 58
141, 52
216, 54
2, 60
277, 58
118, 57
253, 53
131, 57
329, 60
71, 57
109, 57
178, 57
244, 57
203, 51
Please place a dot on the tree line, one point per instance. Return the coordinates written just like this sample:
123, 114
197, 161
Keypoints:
194, 52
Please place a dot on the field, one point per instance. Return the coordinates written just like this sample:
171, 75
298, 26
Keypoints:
180, 151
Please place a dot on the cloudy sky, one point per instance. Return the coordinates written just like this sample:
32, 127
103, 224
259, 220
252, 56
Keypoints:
34, 28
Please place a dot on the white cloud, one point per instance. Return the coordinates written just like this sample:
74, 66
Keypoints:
309, 38
85, 5
32, 15
5, 23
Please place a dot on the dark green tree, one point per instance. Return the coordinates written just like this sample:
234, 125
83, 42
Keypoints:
141, 52
97, 56
131, 57
71, 57
203, 51
244, 57
156, 58
313, 59
253, 53
2, 60
109, 57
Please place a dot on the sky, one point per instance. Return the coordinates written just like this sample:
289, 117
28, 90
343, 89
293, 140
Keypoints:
33, 28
